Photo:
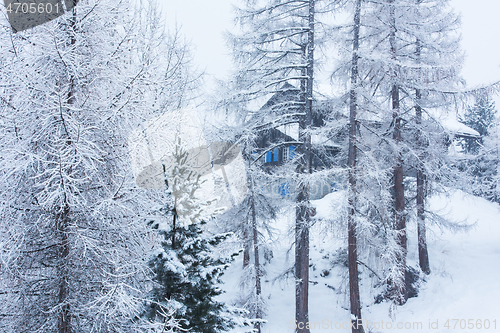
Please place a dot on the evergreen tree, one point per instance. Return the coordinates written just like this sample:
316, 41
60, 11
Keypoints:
490, 162
482, 165
187, 278
479, 117
187, 273
251, 220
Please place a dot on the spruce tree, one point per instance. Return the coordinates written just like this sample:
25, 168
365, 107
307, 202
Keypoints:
187, 277
187, 273
489, 161
482, 165
478, 117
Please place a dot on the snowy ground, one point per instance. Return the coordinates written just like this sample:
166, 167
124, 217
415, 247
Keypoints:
462, 291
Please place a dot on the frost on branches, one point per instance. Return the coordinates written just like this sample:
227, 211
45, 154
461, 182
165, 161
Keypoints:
402, 65
71, 243
187, 274
482, 154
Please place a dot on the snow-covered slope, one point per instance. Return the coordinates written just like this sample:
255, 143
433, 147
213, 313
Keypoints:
464, 283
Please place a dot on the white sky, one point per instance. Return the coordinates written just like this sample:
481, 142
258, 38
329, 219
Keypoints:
204, 21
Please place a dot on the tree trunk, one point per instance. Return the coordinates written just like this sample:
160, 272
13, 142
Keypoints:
423, 255
258, 289
302, 211
174, 227
63, 221
247, 245
302, 263
400, 225
399, 196
174, 232
352, 159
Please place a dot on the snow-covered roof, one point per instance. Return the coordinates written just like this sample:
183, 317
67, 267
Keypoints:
452, 125
292, 130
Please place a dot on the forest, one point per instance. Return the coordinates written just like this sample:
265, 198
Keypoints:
134, 201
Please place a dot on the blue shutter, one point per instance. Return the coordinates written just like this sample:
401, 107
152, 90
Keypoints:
254, 155
269, 156
276, 155
291, 152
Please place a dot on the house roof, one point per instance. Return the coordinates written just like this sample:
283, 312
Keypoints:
287, 98
452, 125
286, 95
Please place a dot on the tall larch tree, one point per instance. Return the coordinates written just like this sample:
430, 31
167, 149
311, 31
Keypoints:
408, 63
354, 297
72, 91
276, 46
433, 73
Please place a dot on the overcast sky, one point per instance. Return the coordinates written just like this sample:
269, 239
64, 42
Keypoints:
203, 23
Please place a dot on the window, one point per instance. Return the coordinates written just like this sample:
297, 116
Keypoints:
269, 156
284, 189
285, 153
276, 155
291, 152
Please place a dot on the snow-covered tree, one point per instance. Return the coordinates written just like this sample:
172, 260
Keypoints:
72, 246
437, 61
187, 270
354, 297
254, 217
251, 220
186, 280
489, 161
479, 117
276, 46
481, 166
407, 60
